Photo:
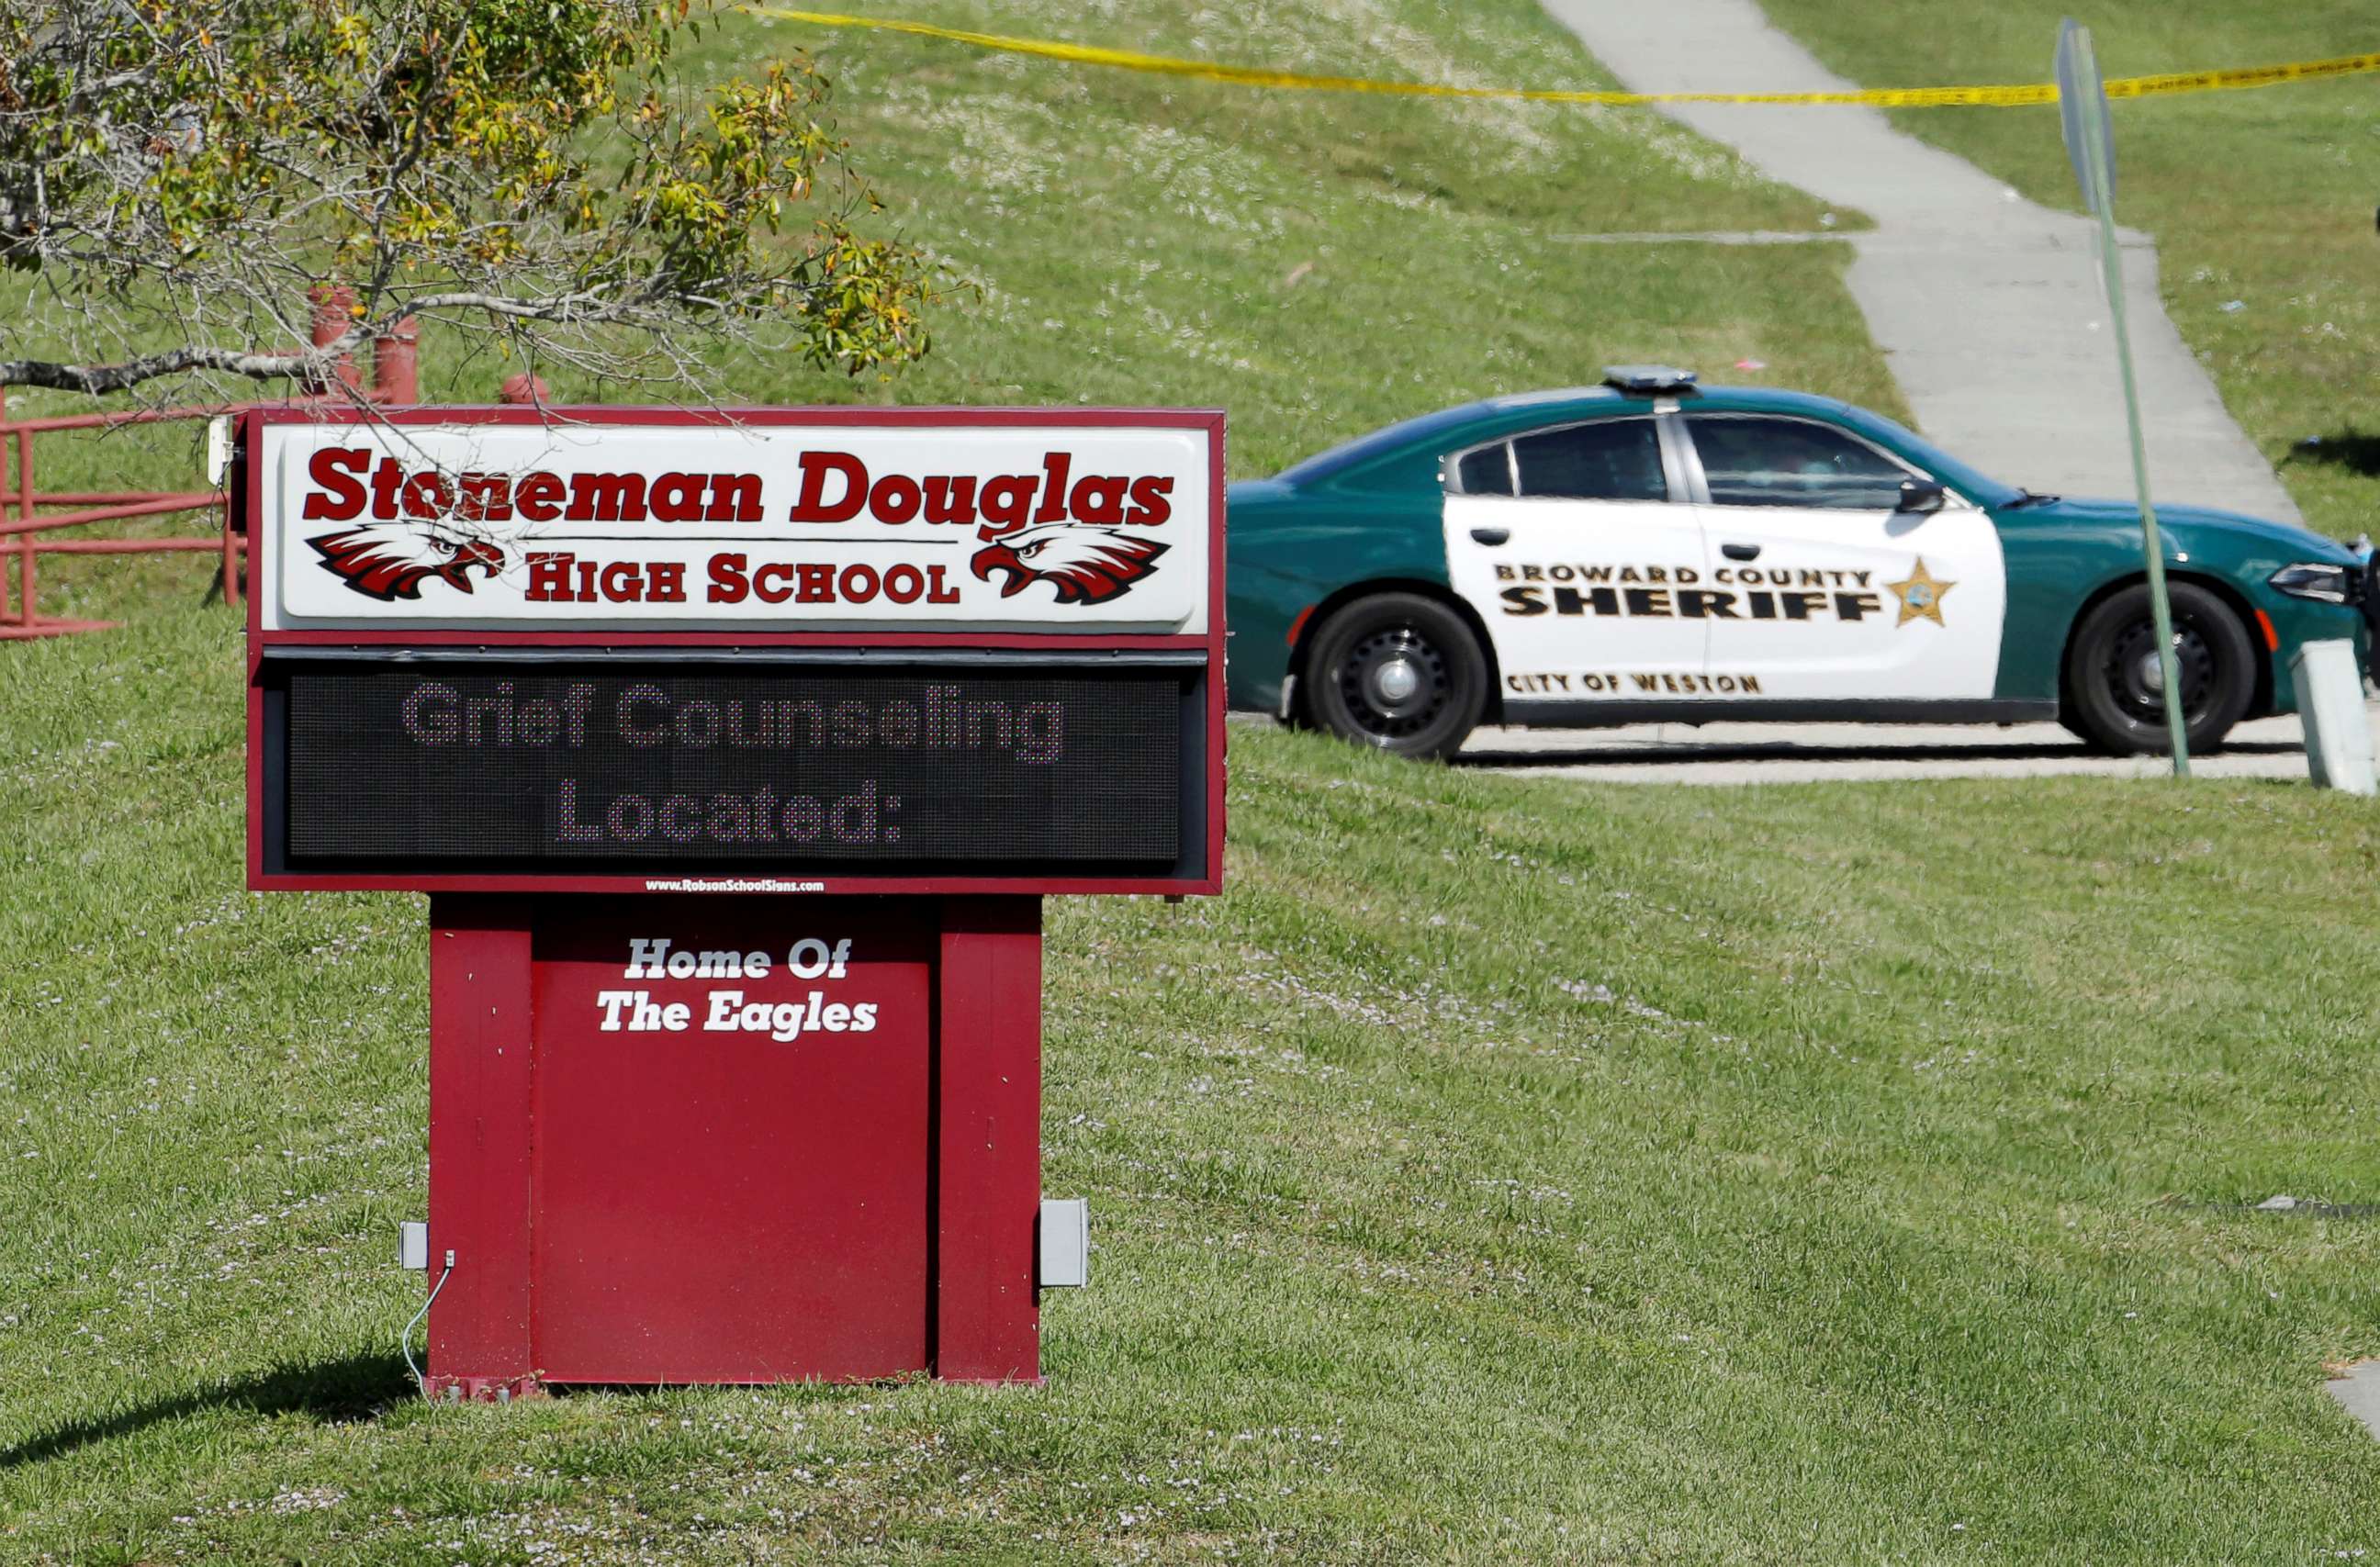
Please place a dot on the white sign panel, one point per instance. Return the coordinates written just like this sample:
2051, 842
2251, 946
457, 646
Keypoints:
895, 527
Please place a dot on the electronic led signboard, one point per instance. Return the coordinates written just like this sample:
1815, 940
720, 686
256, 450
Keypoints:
777, 767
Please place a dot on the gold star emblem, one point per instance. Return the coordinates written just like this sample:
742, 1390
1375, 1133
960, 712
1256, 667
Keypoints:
1921, 595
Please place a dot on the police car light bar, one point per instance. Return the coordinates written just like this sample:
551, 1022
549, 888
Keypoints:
1649, 380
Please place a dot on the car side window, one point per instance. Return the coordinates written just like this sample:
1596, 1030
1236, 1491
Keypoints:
1488, 471
1788, 462
1612, 459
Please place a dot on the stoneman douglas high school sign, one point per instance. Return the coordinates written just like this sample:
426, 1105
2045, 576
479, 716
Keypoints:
608, 684
563, 524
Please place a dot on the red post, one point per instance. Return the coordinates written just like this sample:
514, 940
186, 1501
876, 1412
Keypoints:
523, 390
480, 1114
396, 364
231, 587
988, 1143
25, 540
334, 306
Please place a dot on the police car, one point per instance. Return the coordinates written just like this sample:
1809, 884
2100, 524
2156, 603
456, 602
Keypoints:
1649, 551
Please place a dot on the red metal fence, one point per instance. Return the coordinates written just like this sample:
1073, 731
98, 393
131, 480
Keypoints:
23, 538
37, 514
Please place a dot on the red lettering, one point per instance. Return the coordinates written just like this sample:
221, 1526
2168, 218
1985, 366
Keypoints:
606, 497
1149, 494
894, 499
676, 497
426, 497
1054, 468
548, 577
537, 497
727, 584
486, 497
1004, 503
903, 584
859, 585
622, 582
666, 582
816, 466
385, 478
735, 497
773, 582
938, 592
950, 499
1099, 499
818, 582
341, 499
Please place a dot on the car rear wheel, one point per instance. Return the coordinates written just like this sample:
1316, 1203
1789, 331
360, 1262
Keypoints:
2114, 694
1398, 673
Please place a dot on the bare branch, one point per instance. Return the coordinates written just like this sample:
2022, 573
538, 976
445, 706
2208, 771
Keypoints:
98, 381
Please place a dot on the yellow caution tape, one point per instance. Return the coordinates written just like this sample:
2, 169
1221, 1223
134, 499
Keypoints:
1882, 97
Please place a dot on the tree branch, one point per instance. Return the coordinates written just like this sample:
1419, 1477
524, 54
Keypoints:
99, 379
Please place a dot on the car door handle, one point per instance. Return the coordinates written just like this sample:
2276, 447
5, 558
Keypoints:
1740, 552
1490, 535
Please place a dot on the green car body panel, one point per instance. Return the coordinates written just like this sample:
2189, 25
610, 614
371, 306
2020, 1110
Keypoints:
1369, 516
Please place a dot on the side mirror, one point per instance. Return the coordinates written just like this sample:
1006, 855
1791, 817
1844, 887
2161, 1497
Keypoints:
1920, 497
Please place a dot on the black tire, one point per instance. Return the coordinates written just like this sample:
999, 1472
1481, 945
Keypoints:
2112, 693
1365, 656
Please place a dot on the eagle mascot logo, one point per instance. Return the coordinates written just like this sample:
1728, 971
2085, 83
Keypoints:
392, 560
1085, 565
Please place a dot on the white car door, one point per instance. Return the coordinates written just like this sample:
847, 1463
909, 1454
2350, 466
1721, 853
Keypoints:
1581, 550
1836, 595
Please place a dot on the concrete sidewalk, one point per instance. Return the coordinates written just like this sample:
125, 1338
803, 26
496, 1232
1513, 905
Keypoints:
1809, 753
1988, 307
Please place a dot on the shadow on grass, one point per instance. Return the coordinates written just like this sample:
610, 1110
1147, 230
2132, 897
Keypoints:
2349, 448
337, 1391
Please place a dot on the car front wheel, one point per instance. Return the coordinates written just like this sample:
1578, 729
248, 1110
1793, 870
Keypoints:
1398, 673
2114, 688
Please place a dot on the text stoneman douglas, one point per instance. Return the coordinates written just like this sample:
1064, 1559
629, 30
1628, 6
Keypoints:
836, 487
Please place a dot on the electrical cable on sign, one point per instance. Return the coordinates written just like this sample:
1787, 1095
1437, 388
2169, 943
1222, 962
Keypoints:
404, 1339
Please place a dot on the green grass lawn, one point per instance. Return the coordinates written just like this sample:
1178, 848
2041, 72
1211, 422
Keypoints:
1501, 1171
2264, 198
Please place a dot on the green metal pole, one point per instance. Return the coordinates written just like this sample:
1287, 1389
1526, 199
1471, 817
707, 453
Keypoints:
2152, 543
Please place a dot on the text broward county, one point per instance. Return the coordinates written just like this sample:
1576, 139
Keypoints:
1667, 593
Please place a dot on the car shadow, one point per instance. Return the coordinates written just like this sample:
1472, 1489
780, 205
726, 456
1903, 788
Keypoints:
1786, 750
335, 1392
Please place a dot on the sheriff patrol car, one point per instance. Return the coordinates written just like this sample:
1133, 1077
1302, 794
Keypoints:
1648, 549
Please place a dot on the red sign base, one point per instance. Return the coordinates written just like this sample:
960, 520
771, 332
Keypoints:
680, 1139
